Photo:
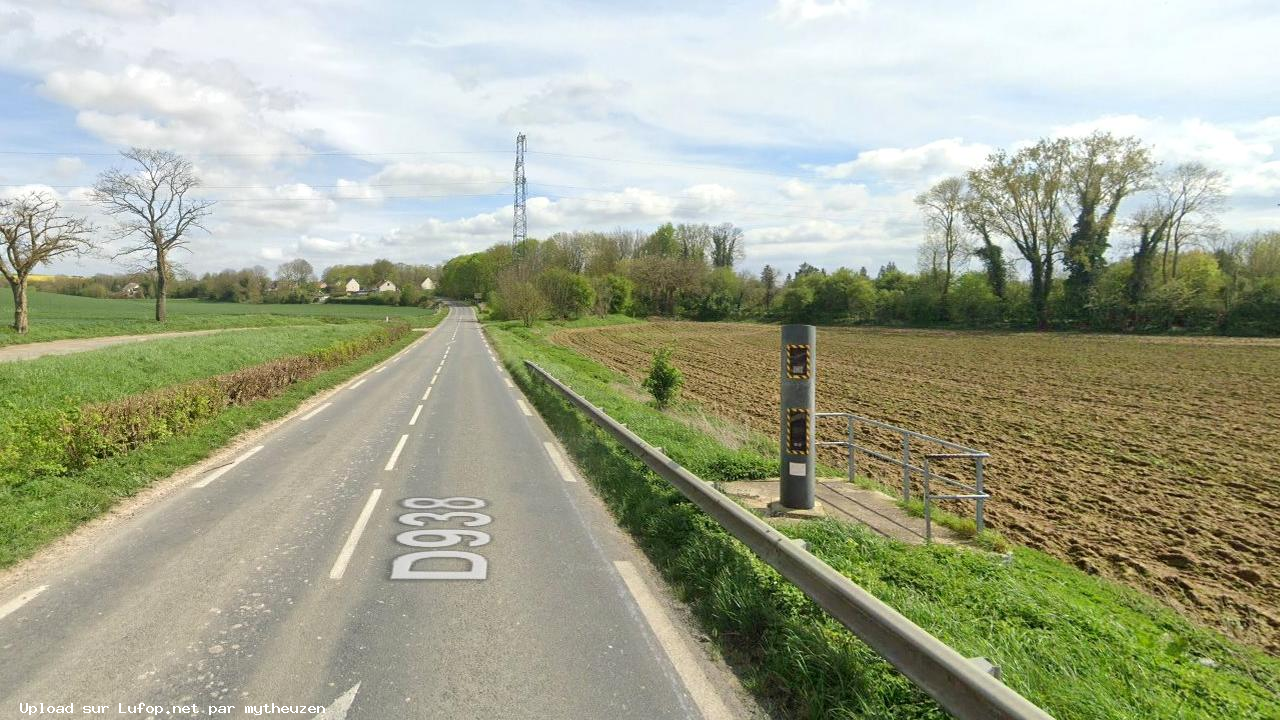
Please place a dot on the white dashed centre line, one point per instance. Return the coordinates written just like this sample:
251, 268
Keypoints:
433, 377
414, 420
349, 547
426, 394
524, 408
21, 600
558, 460
317, 411
225, 468
395, 454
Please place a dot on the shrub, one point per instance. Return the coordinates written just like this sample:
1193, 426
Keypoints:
664, 379
569, 294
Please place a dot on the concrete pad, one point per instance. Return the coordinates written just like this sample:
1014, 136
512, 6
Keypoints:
842, 500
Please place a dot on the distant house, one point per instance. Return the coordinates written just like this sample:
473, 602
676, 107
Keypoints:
323, 285
132, 290
387, 286
353, 286
428, 284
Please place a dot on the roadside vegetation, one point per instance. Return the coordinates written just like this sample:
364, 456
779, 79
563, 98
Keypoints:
77, 440
1077, 645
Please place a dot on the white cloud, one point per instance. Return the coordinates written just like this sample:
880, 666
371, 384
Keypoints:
125, 9
564, 101
918, 164
270, 253
802, 11
160, 108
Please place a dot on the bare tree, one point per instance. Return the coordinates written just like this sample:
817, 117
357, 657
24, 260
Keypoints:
34, 231
1023, 197
943, 207
1191, 195
156, 214
296, 273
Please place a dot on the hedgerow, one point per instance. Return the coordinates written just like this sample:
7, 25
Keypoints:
58, 442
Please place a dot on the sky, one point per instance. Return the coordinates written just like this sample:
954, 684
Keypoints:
344, 130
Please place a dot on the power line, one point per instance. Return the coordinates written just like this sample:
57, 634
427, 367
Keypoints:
636, 161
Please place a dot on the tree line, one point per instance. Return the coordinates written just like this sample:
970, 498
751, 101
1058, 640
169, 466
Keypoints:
1087, 233
294, 281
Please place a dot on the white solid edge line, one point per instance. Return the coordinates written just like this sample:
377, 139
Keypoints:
225, 468
21, 600
558, 460
524, 408
315, 412
384, 367
395, 454
414, 420
686, 665
356, 384
426, 394
509, 383
349, 547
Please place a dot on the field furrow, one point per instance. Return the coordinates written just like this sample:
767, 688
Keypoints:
1148, 460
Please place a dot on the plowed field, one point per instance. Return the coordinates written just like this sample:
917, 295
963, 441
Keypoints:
1154, 461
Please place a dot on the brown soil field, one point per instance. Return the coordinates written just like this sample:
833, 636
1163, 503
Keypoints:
1152, 461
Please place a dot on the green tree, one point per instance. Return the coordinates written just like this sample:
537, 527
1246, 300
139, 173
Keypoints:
1024, 199
568, 294
769, 278
1104, 171
664, 380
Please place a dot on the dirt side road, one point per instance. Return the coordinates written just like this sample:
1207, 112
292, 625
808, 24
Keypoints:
31, 351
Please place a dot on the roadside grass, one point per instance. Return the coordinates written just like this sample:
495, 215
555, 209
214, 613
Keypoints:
1076, 645
61, 317
59, 381
45, 508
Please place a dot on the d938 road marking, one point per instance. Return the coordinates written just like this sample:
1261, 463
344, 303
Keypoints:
402, 568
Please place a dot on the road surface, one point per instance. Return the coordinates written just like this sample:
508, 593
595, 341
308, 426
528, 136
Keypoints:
292, 576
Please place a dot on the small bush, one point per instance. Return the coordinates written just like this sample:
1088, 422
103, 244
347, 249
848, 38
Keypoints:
664, 379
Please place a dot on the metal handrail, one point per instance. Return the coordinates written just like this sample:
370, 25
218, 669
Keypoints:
956, 683
979, 458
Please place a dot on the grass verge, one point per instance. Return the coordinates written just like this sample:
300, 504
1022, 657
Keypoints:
63, 317
1078, 646
44, 508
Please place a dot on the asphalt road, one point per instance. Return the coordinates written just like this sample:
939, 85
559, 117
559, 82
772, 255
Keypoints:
289, 577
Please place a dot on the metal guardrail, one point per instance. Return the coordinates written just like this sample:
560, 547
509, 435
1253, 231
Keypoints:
959, 685
973, 492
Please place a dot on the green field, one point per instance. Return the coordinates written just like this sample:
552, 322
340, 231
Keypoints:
1075, 644
59, 317
64, 381
40, 502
